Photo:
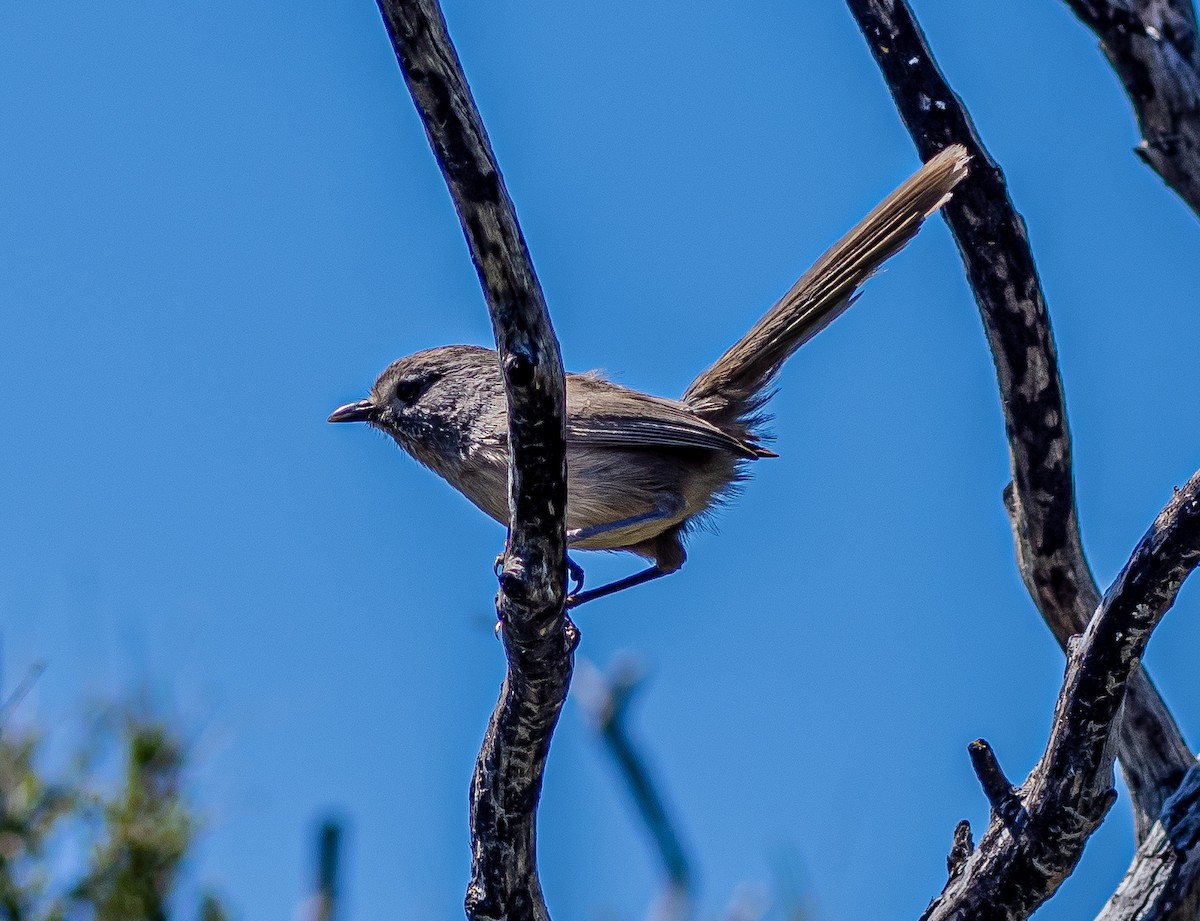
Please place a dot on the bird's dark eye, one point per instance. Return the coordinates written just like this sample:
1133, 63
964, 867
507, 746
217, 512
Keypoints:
409, 389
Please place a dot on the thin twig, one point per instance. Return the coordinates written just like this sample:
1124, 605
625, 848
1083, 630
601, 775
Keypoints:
606, 702
995, 249
1154, 48
1020, 864
538, 639
996, 786
328, 883
21, 691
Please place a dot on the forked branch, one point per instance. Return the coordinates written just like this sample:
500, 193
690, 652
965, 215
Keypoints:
995, 250
1041, 500
1028, 850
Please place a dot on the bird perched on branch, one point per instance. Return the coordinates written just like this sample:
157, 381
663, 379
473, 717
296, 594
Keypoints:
641, 469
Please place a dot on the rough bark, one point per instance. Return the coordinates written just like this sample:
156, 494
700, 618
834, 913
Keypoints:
1157, 885
539, 640
1037, 831
1154, 49
992, 240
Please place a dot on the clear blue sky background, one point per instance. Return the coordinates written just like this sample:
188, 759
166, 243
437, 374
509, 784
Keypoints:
221, 220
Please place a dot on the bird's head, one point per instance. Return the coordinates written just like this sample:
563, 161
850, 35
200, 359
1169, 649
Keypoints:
435, 403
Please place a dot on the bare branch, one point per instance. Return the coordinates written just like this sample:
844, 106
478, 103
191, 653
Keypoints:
606, 702
1154, 48
21, 691
996, 786
962, 848
992, 240
323, 906
1157, 885
1019, 864
538, 639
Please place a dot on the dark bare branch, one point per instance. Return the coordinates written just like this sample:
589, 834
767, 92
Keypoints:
538, 639
1154, 48
324, 904
1020, 864
962, 848
1157, 885
606, 702
995, 249
996, 786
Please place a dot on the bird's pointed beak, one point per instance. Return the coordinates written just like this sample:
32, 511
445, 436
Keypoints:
362, 411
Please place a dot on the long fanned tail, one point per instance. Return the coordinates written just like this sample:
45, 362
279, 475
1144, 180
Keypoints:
730, 392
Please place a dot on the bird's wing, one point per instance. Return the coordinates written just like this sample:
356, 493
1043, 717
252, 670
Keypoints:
600, 412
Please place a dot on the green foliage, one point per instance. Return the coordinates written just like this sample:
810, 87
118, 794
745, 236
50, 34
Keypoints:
137, 830
30, 810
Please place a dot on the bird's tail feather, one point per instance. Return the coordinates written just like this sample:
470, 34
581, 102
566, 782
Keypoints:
732, 390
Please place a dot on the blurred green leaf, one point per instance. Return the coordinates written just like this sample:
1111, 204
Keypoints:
138, 830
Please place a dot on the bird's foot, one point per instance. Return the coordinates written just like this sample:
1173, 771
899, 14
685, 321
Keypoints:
575, 571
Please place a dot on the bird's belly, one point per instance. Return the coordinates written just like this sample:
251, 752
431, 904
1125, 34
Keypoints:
609, 485
606, 485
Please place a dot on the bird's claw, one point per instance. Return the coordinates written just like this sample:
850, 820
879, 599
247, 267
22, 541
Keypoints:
575, 571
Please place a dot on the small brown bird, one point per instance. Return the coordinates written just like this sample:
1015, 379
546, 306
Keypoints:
641, 470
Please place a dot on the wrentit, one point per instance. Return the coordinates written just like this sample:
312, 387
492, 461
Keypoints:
642, 470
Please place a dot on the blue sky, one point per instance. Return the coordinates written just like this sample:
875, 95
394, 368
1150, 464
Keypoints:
222, 220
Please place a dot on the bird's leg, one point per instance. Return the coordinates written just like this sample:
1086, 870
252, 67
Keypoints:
646, 575
667, 507
575, 571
